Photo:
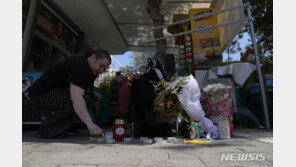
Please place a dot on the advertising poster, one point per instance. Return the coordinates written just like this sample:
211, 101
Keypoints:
206, 44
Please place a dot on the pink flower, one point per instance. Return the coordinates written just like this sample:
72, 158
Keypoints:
224, 106
211, 106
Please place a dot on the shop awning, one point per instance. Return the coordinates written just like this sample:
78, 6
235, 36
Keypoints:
120, 26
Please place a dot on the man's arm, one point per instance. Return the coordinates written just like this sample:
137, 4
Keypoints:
81, 109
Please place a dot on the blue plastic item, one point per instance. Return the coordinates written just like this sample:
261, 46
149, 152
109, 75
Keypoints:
241, 99
255, 89
104, 118
32, 76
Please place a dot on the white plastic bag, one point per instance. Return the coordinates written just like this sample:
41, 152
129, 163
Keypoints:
189, 99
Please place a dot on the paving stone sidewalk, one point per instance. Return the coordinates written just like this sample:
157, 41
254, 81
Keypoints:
66, 152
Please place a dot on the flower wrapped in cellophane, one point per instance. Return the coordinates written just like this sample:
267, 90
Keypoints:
188, 92
217, 101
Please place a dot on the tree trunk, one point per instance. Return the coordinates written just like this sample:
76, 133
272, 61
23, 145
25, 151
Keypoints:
158, 20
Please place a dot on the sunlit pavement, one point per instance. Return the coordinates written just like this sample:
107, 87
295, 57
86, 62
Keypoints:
248, 147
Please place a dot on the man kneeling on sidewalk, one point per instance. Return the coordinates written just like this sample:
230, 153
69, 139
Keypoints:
64, 93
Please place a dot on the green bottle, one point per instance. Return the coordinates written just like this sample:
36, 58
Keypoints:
194, 130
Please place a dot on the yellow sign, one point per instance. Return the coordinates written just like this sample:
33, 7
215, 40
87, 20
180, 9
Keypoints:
206, 43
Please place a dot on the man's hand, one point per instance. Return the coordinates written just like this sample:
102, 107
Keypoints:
81, 109
97, 95
94, 129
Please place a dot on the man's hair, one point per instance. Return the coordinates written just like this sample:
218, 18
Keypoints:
100, 54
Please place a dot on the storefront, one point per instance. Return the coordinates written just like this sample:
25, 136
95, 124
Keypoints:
52, 37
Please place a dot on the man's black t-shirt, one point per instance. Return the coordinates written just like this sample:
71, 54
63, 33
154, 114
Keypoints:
73, 70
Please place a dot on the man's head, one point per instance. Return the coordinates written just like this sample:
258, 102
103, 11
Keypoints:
99, 61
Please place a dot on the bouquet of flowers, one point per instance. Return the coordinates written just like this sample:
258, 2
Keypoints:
187, 90
175, 85
218, 100
166, 103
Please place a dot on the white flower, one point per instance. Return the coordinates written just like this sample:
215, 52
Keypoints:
214, 87
176, 85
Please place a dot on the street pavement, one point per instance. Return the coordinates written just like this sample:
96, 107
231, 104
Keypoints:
69, 151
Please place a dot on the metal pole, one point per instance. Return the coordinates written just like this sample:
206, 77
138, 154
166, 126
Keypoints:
29, 29
117, 61
199, 29
199, 16
267, 124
